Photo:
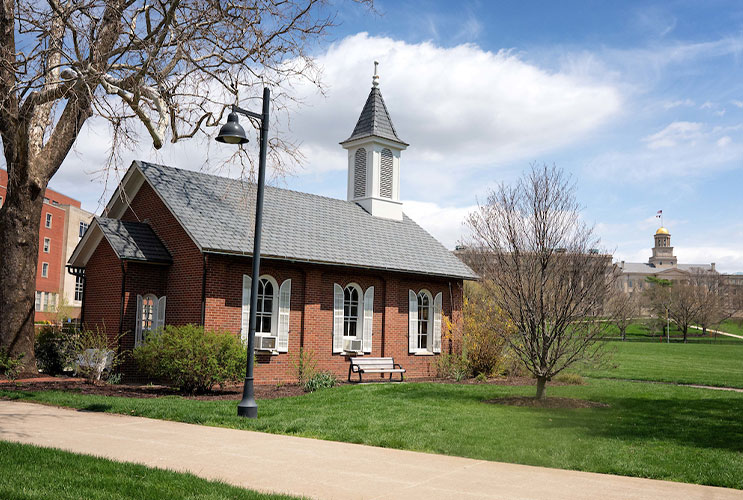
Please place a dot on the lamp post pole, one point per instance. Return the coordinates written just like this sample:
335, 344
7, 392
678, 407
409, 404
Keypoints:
232, 133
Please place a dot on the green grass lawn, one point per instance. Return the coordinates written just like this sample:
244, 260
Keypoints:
731, 326
649, 430
30, 473
641, 332
693, 363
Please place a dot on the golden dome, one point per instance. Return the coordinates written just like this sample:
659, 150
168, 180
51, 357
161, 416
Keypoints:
662, 230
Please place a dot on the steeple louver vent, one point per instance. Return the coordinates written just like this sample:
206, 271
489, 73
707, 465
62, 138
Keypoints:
359, 174
385, 181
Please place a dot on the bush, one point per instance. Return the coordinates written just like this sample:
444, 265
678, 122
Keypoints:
10, 365
320, 380
569, 379
304, 365
53, 350
453, 366
191, 359
93, 353
486, 331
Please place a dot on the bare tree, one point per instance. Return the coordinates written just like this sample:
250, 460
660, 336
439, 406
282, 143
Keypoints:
162, 66
658, 295
685, 304
541, 262
716, 297
622, 308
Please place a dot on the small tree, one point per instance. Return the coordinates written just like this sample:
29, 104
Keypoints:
659, 298
539, 259
621, 309
716, 299
685, 304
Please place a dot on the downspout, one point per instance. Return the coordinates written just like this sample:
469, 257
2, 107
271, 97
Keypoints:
203, 293
123, 292
79, 272
451, 318
304, 309
384, 311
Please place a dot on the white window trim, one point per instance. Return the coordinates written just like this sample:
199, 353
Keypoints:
47, 245
44, 269
48, 221
429, 350
359, 312
275, 310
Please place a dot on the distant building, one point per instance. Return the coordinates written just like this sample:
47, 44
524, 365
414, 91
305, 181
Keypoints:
63, 223
661, 264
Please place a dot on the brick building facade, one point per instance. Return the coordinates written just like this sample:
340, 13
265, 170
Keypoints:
339, 278
63, 223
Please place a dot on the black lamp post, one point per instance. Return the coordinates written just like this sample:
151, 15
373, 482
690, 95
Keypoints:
233, 133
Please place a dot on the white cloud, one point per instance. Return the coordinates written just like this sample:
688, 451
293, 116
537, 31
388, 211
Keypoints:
736, 103
674, 134
724, 141
676, 104
707, 105
446, 224
461, 106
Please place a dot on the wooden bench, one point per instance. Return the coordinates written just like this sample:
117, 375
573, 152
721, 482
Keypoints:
374, 365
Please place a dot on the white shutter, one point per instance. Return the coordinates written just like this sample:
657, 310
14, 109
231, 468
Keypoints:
337, 318
285, 293
368, 318
138, 323
247, 283
412, 321
437, 323
160, 317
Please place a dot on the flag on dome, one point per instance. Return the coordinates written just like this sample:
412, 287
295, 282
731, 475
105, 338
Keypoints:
659, 214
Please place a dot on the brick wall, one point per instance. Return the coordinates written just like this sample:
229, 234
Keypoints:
103, 290
311, 317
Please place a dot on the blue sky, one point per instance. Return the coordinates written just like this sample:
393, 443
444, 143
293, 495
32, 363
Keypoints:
642, 102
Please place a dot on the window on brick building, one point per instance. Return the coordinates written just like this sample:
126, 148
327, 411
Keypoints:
353, 314
424, 322
79, 288
44, 269
47, 245
38, 301
1, 201
150, 316
48, 222
273, 309
83, 228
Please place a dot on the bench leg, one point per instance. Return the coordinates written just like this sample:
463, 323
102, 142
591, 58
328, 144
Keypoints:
349, 373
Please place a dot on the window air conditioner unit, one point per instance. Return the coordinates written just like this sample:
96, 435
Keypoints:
353, 345
265, 343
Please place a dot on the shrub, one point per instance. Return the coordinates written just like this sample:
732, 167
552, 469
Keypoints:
304, 365
10, 365
453, 366
486, 331
192, 359
53, 350
320, 380
569, 379
93, 353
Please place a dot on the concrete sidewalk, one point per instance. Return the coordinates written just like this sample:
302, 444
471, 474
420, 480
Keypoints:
318, 469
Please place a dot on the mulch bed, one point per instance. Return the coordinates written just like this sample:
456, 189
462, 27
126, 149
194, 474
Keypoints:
545, 403
229, 392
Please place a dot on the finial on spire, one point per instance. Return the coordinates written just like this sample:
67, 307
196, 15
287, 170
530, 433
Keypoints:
375, 78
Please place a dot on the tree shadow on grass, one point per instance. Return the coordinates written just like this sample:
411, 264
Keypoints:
700, 422
96, 407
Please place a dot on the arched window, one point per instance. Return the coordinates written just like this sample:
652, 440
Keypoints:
273, 308
351, 298
359, 174
424, 320
264, 310
150, 316
385, 176
424, 328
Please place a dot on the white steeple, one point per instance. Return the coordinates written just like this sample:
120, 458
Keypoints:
374, 158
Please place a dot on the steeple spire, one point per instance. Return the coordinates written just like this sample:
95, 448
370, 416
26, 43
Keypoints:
375, 78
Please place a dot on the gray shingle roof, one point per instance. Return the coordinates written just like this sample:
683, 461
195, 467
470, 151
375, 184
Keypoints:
375, 120
133, 240
219, 215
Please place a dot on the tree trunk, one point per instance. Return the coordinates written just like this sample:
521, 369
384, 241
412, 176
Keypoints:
624, 335
20, 217
704, 330
686, 329
541, 386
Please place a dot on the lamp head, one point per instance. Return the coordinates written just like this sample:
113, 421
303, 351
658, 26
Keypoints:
232, 132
